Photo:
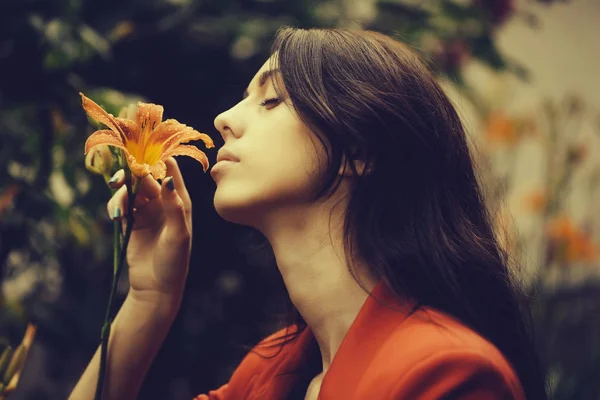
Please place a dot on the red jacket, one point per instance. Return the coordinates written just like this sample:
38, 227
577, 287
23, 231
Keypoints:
386, 354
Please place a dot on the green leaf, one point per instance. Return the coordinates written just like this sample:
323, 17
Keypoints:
95, 41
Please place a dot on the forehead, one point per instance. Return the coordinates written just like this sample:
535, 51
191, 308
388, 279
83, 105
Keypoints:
271, 62
264, 74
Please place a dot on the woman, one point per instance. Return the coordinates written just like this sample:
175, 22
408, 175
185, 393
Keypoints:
349, 158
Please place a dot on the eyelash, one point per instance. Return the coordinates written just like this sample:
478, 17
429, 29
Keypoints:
268, 101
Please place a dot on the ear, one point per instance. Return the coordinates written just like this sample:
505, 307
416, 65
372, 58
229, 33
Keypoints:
347, 171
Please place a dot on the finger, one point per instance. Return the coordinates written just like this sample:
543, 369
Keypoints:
117, 206
175, 209
140, 202
174, 171
117, 180
149, 187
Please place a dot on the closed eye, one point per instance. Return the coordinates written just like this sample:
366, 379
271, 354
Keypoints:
269, 101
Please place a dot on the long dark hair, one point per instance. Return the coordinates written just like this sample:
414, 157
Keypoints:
416, 215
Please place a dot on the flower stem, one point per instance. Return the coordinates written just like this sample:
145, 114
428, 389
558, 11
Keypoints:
116, 246
120, 254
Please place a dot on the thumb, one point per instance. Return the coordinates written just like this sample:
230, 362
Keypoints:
173, 207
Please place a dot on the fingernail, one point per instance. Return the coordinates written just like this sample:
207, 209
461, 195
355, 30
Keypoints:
116, 213
170, 184
113, 180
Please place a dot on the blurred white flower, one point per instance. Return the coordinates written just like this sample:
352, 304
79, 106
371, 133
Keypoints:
23, 276
15, 289
60, 190
243, 48
20, 171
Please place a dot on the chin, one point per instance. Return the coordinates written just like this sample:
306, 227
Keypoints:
234, 208
253, 205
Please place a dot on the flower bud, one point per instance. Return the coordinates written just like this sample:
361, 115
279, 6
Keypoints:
5, 359
99, 160
17, 359
129, 112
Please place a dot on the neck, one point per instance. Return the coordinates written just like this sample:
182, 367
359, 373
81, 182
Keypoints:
309, 250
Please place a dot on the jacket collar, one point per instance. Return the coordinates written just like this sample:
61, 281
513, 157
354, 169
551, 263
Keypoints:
380, 314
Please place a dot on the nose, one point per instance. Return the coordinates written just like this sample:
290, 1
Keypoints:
222, 125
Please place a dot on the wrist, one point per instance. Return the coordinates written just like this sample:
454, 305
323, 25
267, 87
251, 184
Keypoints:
160, 304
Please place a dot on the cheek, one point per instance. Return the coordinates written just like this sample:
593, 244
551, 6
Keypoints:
277, 177
273, 176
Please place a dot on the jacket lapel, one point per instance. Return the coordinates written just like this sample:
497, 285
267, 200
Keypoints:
284, 375
379, 316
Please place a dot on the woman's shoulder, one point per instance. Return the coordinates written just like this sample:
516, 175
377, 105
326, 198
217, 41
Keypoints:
430, 331
431, 343
274, 355
270, 352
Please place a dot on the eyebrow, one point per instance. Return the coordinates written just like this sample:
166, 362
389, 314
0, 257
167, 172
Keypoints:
262, 79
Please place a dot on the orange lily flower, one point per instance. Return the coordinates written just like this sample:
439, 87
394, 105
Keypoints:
574, 244
500, 129
146, 141
535, 201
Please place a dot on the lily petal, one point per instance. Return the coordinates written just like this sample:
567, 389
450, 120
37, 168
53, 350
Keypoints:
208, 142
187, 135
138, 169
186, 150
159, 170
171, 128
129, 127
103, 136
99, 114
149, 115
167, 129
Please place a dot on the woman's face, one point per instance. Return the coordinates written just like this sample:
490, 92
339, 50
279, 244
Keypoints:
276, 161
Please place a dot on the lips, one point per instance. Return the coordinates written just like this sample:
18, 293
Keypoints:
221, 166
225, 159
226, 155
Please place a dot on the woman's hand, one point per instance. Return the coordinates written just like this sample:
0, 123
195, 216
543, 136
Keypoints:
158, 253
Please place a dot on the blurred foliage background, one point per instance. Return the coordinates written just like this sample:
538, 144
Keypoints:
195, 58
